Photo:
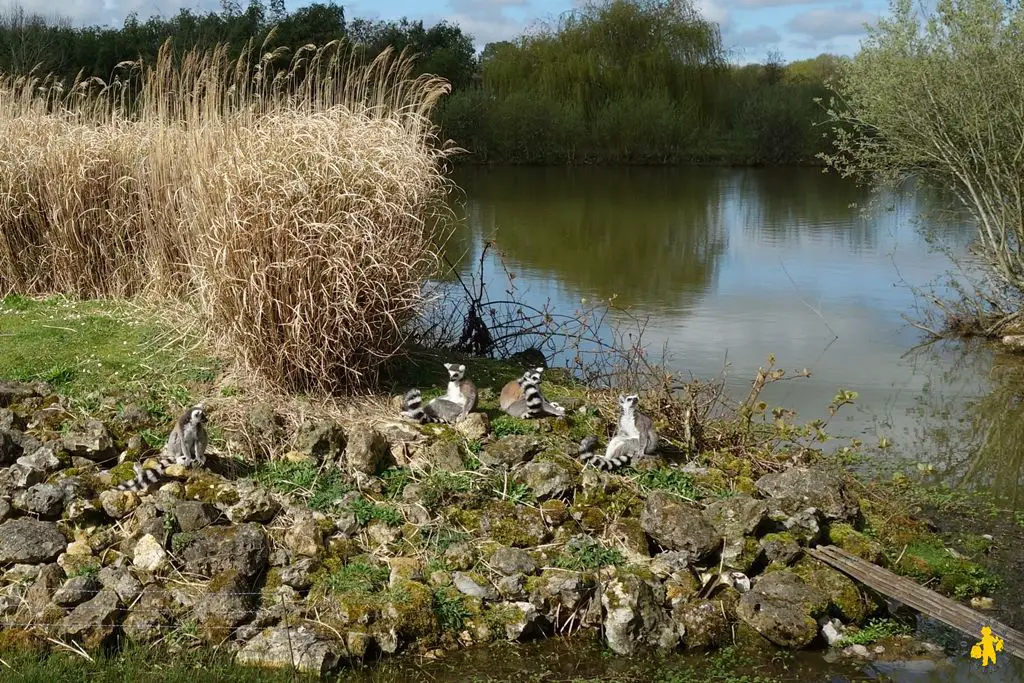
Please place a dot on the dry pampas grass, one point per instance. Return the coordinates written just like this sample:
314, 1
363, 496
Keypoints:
295, 208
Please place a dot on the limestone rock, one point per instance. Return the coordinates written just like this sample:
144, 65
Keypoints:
90, 440
255, 505
474, 426
43, 460
521, 620
298, 647
227, 604
150, 617
305, 536
509, 561
30, 541
678, 527
298, 575
366, 451
558, 593
798, 488
193, 515
120, 581
474, 587
45, 500
510, 450
633, 615
243, 548
94, 623
703, 624
445, 456
547, 478
783, 608
76, 590
149, 555
118, 504
323, 441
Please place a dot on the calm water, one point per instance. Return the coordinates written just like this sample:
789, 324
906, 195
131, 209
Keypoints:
732, 265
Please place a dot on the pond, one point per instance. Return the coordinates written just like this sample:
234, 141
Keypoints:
730, 265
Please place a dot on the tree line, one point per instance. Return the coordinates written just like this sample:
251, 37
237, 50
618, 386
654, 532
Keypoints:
614, 81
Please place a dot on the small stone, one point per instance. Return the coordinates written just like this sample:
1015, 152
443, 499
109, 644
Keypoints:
509, 561
120, 581
468, 585
150, 617
227, 604
298, 575
94, 623
510, 450
474, 426
194, 515
149, 555
30, 541
296, 648
45, 500
19, 476
982, 602
857, 651
5, 509
522, 620
405, 569
118, 504
366, 451
76, 590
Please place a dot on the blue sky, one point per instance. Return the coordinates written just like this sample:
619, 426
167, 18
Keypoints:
750, 28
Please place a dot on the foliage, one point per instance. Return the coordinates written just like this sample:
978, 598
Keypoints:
451, 609
583, 553
292, 210
322, 488
939, 97
875, 630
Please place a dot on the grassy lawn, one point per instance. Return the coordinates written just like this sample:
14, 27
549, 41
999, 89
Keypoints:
89, 349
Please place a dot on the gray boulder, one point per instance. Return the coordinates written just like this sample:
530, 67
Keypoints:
299, 648
783, 608
633, 616
510, 450
798, 488
30, 541
243, 548
676, 526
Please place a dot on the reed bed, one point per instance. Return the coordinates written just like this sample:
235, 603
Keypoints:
292, 202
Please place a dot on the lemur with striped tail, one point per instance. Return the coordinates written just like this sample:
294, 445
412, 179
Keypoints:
456, 404
634, 437
532, 405
185, 446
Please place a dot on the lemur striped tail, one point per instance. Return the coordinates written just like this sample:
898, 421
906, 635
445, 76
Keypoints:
145, 476
618, 453
412, 408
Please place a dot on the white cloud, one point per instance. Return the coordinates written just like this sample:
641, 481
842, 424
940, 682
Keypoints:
111, 12
822, 24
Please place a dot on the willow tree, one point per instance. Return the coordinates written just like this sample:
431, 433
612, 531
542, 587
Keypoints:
614, 49
939, 96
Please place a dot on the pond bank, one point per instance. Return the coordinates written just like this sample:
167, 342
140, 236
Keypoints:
366, 536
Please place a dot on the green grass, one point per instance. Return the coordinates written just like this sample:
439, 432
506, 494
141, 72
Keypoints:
321, 490
359, 575
585, 553
875, 630
139, 665
367, 511
451, 609
670, 480
88, 348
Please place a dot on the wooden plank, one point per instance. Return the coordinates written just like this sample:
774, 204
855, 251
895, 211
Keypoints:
916, 596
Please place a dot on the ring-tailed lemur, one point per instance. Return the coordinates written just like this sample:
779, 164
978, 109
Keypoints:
513, 391
455, 405
635, 436
185, 446
533, 404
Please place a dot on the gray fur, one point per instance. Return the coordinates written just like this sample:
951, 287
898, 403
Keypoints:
635, 436
533, 405
186, 446
460, 399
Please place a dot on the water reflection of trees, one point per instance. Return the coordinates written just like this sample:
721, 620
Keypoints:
646, 234
973, 442
784, 205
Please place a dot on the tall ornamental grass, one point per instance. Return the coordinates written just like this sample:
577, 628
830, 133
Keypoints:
294, 204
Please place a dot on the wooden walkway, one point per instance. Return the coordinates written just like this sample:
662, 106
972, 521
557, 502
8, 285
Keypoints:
918, 597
